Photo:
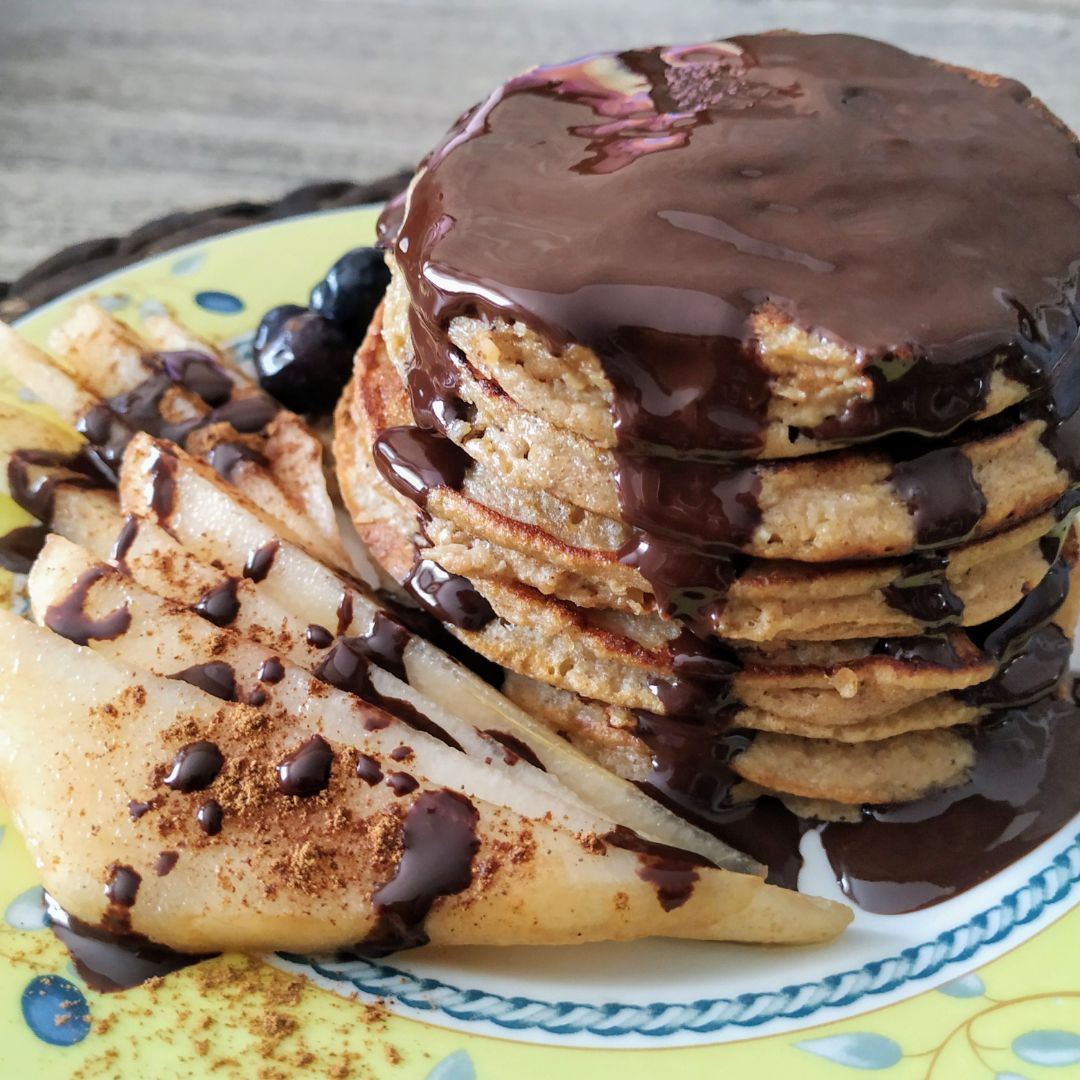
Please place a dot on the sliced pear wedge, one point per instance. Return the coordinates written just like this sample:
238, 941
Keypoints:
216, 522
310, 873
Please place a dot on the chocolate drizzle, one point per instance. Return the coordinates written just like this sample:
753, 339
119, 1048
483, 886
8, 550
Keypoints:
514, 750
940, 490
20, 547
227, 456
671, 870
195, 767
306, 771
68, 617
122, 545
922, 591
34, 476
220, 604
163, 484
413, 461
439, 843
260, 562
214, 677
110, 961
449, 597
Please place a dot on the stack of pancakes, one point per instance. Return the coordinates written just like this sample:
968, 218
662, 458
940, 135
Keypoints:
726, 396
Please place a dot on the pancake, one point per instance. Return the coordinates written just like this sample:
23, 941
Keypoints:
813, 378
893, 769
769, 600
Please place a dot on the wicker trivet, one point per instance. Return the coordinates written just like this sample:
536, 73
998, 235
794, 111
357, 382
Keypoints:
92, 258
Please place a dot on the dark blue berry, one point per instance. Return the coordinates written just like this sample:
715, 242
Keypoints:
351, 290
302, 359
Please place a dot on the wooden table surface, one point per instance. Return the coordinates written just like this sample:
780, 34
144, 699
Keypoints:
115, 111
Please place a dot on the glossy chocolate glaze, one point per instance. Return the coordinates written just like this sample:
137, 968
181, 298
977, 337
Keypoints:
413, 461
402, 783
163, 484
129, 531
672, 194
109, 961
367, 769
671, 870
219, 605
20, 547
347, 666
226, 457
514, 750
449, 597
195, 767
214, 677
306, 770
922, 591
34, 476
260, 562
439, 843
209, 817
1022, 789
318, 637
69, 619
271, 670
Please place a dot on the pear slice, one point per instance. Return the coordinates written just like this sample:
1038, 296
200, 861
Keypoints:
320, 872
216, 522
165, 638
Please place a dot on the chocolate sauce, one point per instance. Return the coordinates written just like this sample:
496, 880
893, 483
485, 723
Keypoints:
197, 372
226, 457
68, 617
247, 415
209, 817
261, 561
20, 547
939, 489
413, 461
401, 783
384, 644
367, 768
271, 670
195, 767
214, 677
344, 612
121, 890
34, 476
514, 750
922, 591
318, 637
937, 650
347, 667
220, 604
306, 771
673, 871
125, 538
439, 843
449, 597
109, 961
1022, 789
136, 809
258, 697
858, 191
163, 484
402, 753
1030, 673
165, 862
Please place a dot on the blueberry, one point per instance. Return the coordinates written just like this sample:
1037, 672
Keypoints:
302, 359
271, 324
351, 290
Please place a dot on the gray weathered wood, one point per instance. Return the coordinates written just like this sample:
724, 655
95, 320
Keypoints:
114, 111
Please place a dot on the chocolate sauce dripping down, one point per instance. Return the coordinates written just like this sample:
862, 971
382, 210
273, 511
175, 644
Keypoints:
109, 961
68, 617
21, 546
384, 644
671, 870
439, 843
129, 532
347, 667
36, 494
922, 592
226, 457
667, 298
219, 605
261, 561
1022, 789
413, 461
344, 612
939, 489
306, 771
449, 597
514, 749
215, 678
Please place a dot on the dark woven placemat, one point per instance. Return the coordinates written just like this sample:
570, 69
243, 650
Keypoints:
90, 259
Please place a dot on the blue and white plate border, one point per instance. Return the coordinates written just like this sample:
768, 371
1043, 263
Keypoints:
523, 1016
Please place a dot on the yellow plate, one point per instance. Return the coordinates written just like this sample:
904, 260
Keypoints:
986, 987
